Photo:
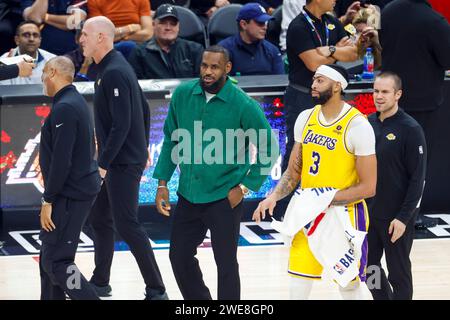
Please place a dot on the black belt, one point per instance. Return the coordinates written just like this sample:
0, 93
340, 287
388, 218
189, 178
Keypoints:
299, 88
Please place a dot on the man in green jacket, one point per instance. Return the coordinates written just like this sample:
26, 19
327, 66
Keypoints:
210, 131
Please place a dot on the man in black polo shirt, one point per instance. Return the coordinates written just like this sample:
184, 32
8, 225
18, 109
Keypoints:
418, 50
313, 38
401, 157
71, 180
122, 125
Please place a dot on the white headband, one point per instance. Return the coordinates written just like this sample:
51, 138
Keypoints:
334, 75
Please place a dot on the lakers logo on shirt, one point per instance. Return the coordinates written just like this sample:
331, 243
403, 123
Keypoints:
331, 26
320, 140
391, 136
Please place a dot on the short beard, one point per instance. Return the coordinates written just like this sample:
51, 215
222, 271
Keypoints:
215, 86
323, 97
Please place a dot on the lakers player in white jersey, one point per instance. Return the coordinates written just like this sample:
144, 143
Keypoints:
334, 147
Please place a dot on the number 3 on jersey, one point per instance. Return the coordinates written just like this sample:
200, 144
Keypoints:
314, 169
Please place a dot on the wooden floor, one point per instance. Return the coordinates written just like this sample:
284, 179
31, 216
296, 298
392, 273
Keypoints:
262, 269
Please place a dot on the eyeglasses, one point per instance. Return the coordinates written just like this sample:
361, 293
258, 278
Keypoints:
29, 34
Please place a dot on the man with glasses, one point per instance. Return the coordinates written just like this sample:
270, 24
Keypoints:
28, 40
250, 53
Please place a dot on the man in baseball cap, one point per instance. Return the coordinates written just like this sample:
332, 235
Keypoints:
253, 11
250, 53
166, 55
166, 10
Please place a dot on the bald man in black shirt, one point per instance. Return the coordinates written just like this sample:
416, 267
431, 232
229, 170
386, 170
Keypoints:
71, 181
122, 124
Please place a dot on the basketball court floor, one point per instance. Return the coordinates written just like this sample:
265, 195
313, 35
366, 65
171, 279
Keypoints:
262, 259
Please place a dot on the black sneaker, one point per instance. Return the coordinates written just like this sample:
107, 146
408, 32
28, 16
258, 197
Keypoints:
102, 291
423, 223
154, 295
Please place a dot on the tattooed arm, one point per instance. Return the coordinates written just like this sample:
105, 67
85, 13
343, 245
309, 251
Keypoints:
366, 167
291, 177
288, 182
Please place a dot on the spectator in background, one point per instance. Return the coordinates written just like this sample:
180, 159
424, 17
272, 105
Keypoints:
132, 20
250, 53
291, 9
364, 22
166, 55
366, 17
416, 46
10, 17
58, 20
85, 69
205, 8
28, 40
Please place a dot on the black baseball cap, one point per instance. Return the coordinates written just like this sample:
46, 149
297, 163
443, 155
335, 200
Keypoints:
166, 10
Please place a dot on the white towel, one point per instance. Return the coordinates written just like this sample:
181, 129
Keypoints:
337, 245
304, 207
331, 237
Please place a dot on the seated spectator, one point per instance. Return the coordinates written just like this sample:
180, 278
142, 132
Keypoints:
250, 53
205, 8
85, 69
132, 19
365, 20
58, 20
28, 40
165, 55
366, 17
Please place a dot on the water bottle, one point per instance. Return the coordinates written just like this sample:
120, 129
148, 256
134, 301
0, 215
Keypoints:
368, 65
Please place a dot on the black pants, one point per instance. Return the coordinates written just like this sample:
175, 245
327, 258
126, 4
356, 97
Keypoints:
397, 261
191, 221
59, 274
295, 102
117, 205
